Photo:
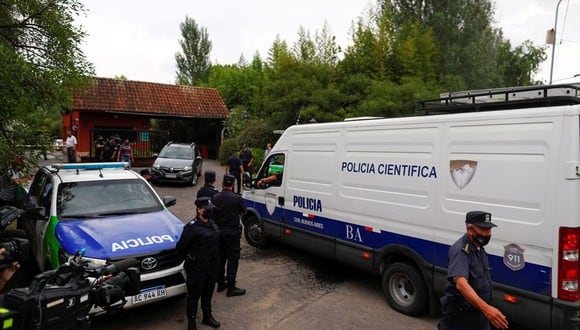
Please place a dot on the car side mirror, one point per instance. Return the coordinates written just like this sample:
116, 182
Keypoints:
169, 201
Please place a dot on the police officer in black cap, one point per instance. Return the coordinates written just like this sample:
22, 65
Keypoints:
466, 303
229, 208
208, 189
199, 244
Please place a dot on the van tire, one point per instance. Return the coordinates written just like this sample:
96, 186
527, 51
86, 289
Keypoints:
254, 233
405, 289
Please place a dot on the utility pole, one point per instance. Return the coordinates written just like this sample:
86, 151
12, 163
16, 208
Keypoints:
554, 42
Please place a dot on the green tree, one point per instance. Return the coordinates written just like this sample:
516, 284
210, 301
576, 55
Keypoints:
473, 53
193, 64
40, 65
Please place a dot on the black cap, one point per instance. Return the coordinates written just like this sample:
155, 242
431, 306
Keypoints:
229, 180
204, 203
480, 219
209, 176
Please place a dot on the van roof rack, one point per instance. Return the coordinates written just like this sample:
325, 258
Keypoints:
507, 98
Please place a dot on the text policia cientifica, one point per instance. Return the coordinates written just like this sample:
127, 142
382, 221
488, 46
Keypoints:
424, 171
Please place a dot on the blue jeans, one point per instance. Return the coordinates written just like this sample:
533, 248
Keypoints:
71, 154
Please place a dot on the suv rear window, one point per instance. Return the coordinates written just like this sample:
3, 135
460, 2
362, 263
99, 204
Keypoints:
96, 199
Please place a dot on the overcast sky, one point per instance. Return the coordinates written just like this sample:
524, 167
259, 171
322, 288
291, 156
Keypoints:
139, 38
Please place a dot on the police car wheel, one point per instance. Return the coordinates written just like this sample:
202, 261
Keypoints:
405, 289
254, 233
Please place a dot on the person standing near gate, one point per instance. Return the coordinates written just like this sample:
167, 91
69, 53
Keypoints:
71, 145
466, 303
198, 245
229, 208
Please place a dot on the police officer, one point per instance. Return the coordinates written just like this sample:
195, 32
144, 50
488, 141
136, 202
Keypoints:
466, 303
199, 245
229, 207
235, 167
208, 189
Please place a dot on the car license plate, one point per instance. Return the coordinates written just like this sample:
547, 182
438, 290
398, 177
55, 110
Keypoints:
149, 294
170, 175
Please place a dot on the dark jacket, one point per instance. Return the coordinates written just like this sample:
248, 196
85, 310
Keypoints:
198, 245
229, 207
207, 191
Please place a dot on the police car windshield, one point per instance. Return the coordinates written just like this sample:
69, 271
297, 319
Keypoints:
175, 152
97, 199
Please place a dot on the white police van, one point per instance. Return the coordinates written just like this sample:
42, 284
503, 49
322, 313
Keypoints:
111, 213
389, 196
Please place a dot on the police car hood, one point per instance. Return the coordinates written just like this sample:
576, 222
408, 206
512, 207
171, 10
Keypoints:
120, 236
173, 162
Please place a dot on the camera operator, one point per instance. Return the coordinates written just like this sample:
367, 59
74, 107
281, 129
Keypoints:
7, 273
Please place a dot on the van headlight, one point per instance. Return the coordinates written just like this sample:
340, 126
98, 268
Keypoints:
187, 168
156, 166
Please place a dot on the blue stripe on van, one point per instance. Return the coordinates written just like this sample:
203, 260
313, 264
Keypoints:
533, 277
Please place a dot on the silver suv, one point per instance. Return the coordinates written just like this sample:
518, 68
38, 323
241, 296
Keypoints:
177, 162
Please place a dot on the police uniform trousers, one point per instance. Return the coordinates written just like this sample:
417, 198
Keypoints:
463, 320
229, 251
199, 284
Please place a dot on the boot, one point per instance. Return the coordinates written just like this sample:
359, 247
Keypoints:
209, 320
221, 286
234, 291
191, 325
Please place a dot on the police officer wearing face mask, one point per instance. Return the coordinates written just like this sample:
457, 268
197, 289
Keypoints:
198, 244
466, 303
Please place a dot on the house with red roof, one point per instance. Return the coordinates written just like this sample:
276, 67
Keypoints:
126, 108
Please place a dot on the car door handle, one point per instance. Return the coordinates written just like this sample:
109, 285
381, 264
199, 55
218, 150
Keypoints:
281, 200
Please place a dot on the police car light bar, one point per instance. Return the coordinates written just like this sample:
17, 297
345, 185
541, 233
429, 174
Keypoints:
90, 166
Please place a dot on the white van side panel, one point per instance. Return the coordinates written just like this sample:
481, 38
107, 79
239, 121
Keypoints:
358, 180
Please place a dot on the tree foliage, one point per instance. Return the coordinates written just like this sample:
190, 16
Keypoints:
193, 64
402, 51
40, 65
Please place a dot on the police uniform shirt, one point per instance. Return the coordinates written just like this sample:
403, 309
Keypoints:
246, 156
229, 206
199, 244
470, 262
234, 164
207, 191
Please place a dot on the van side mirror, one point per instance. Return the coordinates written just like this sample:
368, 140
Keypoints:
36, 213
247, 181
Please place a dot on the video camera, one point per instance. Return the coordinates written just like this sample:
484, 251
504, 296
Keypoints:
63, 298
15, 248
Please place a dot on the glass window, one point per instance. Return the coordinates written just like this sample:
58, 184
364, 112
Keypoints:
105, 198
272, 170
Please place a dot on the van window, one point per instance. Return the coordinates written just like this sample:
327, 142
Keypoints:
272, 171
